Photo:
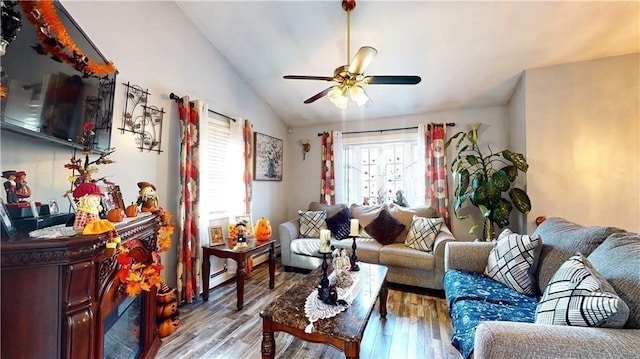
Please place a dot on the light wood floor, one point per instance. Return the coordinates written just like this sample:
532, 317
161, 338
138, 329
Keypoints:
417, 325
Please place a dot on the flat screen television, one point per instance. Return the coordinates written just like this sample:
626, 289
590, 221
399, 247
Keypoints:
50, 99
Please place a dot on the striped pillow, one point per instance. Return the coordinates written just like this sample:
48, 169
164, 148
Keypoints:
423, 233
513, 261
311, 222
578, 295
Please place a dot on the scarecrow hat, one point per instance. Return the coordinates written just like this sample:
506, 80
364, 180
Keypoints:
21, 173
6, 174
142, 185
84, 189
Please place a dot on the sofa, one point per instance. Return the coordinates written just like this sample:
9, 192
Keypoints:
573, 266
415, 267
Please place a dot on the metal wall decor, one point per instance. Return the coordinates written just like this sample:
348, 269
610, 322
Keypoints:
142, 119
99, 109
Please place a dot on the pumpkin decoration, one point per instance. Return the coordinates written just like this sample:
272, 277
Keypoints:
263, 229
168, 326
115, 215
167, 310
131, 210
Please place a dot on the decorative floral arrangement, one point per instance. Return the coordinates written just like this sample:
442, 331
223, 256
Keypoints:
85, 167
137, 272
54, 39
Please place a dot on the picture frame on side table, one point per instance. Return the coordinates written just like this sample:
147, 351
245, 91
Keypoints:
268, 158
8, 228
216, 236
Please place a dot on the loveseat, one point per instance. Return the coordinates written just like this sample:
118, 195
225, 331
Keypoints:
409, 266
492, 320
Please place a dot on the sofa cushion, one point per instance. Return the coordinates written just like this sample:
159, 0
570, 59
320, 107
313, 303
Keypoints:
617, 259
384, 228
513, 261
311, 222
365, 214
423, 233
330, 209
399, 255
467, 314
561, 239
578, 295
405, 216
340, 223
306, 246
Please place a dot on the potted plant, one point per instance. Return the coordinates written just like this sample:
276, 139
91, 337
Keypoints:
484, 178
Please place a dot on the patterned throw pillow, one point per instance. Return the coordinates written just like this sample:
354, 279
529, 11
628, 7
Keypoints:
340, 224
311, 222
578, 295
423, 233
384, 228
513, 261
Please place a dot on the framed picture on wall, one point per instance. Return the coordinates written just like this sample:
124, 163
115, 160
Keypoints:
268, 161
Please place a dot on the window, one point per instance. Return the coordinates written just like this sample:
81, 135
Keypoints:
381, 169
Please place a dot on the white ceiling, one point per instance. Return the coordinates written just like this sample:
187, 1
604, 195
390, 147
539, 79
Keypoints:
468, 54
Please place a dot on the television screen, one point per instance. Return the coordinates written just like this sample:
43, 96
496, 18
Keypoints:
49, 97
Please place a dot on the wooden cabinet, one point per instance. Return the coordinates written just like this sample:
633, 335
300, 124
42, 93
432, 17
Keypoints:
56, 294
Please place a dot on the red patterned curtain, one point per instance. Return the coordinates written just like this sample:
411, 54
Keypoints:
327, 173
247, 136
188, 245
437, 191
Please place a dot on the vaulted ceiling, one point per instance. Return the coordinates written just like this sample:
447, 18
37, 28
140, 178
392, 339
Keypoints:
468, 54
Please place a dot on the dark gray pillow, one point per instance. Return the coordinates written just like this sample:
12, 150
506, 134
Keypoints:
384, 228
340, 224
617, 259
561, 239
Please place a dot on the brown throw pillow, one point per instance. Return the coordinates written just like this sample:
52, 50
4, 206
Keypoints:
384, 228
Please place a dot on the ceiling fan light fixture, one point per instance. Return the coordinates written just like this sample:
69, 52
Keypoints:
358, 95
338, 96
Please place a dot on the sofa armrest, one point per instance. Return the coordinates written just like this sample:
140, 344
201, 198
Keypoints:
444, 236
511, 340
288, 231
467, 256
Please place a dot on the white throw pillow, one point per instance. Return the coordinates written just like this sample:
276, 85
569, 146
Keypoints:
423, 233
311, 222
578, 295
513, 261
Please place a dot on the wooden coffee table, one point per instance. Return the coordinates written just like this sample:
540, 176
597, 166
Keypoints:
344, 331
240, 256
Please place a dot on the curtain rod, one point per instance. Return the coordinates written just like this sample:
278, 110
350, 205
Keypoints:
176, 98
449, 124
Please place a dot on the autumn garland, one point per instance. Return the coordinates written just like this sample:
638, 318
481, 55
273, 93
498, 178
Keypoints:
54, 39
137, 275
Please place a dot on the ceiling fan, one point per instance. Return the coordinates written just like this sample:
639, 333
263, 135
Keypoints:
350, 78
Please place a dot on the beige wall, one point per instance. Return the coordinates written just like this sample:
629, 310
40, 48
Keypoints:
583, 141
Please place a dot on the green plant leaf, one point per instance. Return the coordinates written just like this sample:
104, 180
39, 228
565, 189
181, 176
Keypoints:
486, 212
478, 196
472, 159
464, 135
521, 200
446, 144
501, 180
511, 171
474, 228
501, 212
493, 194
464, 182
517, 159
459, 202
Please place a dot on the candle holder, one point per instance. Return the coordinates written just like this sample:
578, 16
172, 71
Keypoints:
354, 258
326, 293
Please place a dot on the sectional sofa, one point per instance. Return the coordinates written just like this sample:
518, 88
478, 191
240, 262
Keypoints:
492, 320
409, 266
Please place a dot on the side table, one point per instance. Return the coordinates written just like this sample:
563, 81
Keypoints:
240, 256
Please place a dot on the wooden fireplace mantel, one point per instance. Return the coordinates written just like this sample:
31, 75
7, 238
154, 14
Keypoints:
57, 292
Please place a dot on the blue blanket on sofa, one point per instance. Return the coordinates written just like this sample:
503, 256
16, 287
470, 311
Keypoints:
474, 298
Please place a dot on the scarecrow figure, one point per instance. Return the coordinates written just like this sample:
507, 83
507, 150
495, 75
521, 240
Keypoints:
22, 190
10, 186
147, 197
88, 197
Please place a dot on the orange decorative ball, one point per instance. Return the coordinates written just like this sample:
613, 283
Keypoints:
262, 229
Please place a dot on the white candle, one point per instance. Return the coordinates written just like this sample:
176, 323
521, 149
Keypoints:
355, 227
325, 241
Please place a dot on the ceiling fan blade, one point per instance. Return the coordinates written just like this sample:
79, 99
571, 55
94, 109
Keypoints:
362, 59
392, 80
319, 95
302, 77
